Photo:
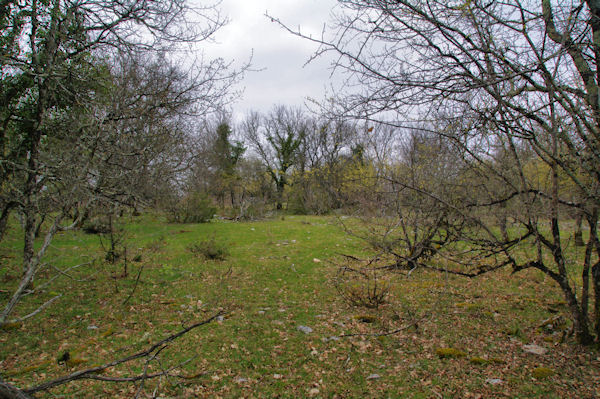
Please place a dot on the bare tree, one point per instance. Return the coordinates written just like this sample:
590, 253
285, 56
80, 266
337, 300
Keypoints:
401, 220
497, 78
322, 156
276, 138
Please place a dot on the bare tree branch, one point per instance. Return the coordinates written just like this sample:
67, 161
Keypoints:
94, 372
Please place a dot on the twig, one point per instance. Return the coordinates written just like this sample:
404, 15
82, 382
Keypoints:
347, 361
403, 328
167, 375
411, 270
356, 259
137, 378
145, 373
477, 272
192, 376
65, 272
351, 257
227, 273
38, 310
137, 280
92, 373
343, 269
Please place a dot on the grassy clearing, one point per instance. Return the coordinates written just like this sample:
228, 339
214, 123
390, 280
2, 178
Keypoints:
278, 277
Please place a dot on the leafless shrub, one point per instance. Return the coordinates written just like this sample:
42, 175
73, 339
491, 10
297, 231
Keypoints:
362, 287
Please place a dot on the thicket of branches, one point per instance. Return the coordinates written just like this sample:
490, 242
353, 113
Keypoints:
512, 88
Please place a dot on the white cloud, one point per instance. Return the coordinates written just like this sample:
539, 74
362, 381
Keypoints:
278, 55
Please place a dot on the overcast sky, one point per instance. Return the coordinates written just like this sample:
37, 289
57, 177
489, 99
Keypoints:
280, 56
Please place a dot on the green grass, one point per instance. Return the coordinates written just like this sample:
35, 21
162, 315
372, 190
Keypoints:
269, 285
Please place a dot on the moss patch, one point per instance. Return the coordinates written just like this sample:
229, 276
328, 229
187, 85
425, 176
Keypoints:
11, 326
467, 305
543, 372
449, 353
478, 360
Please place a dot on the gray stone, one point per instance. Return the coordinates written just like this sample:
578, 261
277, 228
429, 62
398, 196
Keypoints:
535, 349
493, 381
373, 377
305, 329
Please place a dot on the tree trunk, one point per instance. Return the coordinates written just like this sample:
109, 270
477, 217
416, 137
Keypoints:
581, 325
4, 220
38, 229
596, 285
593, 222
578, 235
31, 264
280, 187
29, 239
582, 332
